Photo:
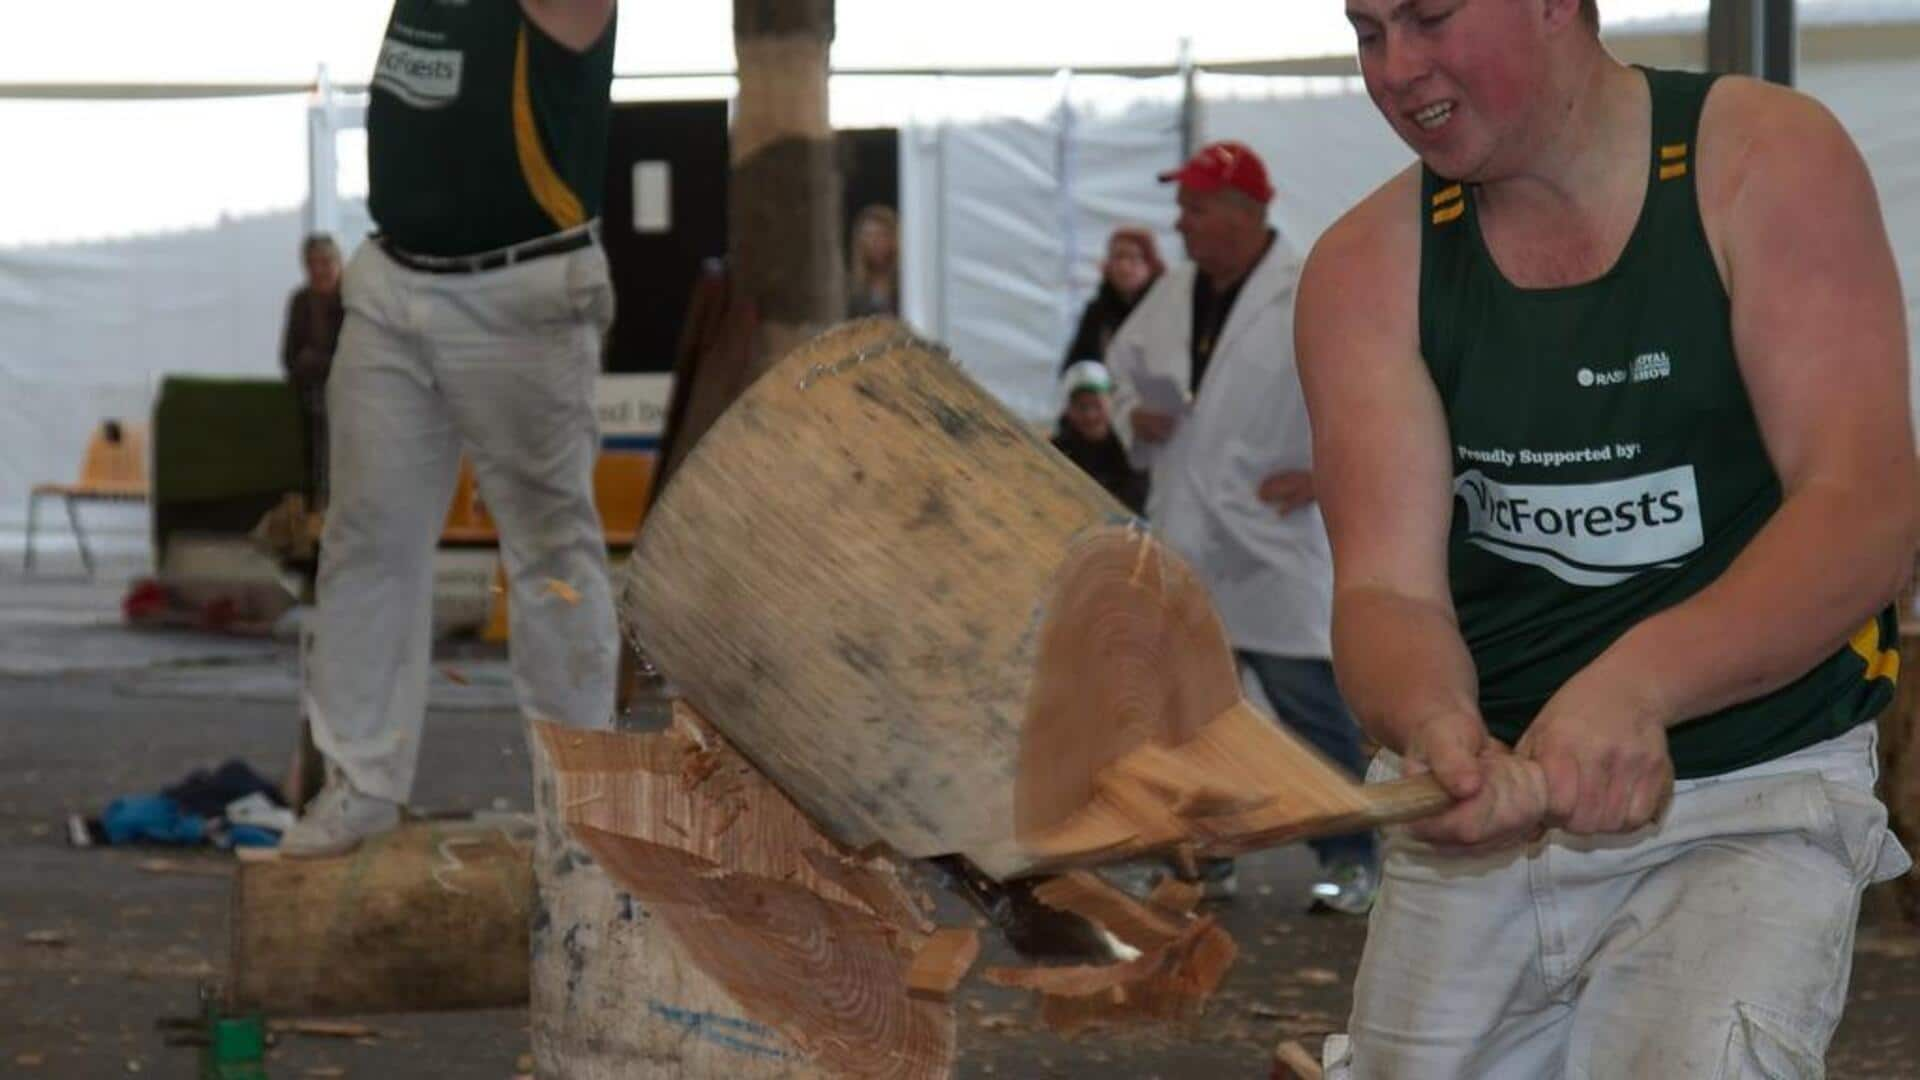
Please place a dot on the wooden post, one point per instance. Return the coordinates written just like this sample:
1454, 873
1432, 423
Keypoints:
430, 916
785, 270
784, 197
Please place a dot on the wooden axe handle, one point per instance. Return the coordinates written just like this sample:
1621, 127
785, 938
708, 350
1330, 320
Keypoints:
1406, 799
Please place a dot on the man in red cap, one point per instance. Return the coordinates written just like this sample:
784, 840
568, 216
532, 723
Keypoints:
1211, 403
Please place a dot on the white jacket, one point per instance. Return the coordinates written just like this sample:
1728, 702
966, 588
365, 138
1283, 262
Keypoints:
1271, 576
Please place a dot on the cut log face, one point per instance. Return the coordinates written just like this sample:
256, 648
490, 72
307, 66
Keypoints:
1131, 654
937, 635
811, 976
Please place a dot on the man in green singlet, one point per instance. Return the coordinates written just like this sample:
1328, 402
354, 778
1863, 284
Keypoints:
1611, 432
473, 325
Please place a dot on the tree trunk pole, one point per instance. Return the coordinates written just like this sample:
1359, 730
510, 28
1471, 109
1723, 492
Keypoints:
784, 218
786, 276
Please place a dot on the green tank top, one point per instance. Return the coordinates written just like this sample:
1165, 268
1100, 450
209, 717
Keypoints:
483, 131
1606, 460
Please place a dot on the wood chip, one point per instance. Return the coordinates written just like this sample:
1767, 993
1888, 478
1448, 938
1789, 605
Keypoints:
566, 592
942, 963
326, 1029
1175, 895
30, 1061
455, 676
52, 939
1292, 1062
1092, 897
1317, 976
192, 868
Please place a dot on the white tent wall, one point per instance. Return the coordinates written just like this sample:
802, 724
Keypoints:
1007, 218
152, 237
1876, 103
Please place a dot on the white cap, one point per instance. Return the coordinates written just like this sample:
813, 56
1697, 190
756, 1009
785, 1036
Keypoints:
1087, 375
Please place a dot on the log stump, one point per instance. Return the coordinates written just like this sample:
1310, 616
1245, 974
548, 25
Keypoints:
693, 923
428, 917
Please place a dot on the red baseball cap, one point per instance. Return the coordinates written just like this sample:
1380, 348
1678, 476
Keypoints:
1225, 165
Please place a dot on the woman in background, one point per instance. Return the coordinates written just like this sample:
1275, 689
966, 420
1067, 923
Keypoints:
1131, 267
873, 263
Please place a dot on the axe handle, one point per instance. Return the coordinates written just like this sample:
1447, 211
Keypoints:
1406, 799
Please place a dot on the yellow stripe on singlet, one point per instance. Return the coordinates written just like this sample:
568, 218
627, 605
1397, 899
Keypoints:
1449, 212
551, 192
1882, 663
1447, 194
1673, 161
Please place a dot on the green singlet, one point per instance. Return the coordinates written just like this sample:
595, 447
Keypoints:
1606, 460
482, 131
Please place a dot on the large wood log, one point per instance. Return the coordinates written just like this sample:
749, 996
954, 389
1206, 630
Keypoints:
936, 634
429, 917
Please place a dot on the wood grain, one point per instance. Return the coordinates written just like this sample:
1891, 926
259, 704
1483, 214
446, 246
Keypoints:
778, 968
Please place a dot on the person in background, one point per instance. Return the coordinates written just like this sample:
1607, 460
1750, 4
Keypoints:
873, 263
307, 340
474, 322
1209, 400
1085, 435
1132, 266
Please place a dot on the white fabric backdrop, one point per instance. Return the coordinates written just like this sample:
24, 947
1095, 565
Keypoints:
151, 237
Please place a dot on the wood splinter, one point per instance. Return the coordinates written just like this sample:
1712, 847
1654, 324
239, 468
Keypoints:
942, 963
1292, 1062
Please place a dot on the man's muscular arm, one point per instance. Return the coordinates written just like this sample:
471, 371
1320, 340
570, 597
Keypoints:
1384, 481
1819, 331
577, 24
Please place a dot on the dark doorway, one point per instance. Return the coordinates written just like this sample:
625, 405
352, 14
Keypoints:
654, 262
869, 170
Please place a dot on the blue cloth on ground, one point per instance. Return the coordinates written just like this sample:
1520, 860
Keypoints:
152, 819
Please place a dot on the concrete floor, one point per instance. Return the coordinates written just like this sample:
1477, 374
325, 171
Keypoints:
90, 710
